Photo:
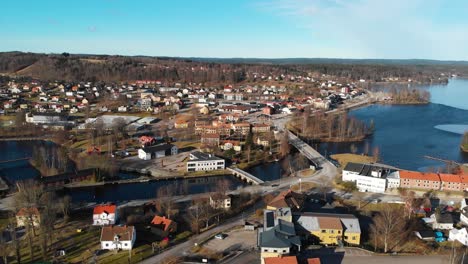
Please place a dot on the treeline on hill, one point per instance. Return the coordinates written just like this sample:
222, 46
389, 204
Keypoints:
125, 68
332, 127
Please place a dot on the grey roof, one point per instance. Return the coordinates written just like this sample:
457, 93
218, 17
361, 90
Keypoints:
274, 238
198, 155
351, 225
367, 169
285, 227
444, 218
309, 221
156, 148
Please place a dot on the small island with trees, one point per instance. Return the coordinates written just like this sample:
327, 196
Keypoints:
464, 143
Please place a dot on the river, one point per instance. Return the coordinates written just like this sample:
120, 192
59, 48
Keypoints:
406, 133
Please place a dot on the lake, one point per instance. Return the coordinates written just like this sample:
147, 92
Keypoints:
406, 133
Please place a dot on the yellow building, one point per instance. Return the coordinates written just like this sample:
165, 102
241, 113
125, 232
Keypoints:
330, 229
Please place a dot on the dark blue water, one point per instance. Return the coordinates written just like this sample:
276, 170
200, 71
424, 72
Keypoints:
406, 133
149, 190
17, 170
268, 171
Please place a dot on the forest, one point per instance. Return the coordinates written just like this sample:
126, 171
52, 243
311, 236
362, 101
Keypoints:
71, 67
337, 127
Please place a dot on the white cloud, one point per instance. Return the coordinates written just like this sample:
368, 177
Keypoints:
375, 28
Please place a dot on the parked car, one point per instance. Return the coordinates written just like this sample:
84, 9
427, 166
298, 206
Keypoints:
220, 236
439, 237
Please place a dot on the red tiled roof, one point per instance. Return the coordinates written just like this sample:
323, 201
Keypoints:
450, 178
125, 233
329, 223
107, 208
281, 260
415, 175
28, 211
162, 221
313, 261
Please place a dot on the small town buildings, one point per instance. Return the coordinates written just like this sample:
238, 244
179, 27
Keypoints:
288, 198
199, 161
210, 139
118, 237
443, 221
460, 235
261, 128
105, 214
162, 226
28, 216
147, 141
329, 229
281, 260
450, 182
419, 180
231, 144
158, 151
368, 177
280, 240
220, 201
464, 211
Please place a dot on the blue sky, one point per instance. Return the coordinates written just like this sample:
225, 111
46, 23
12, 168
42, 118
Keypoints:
393, 29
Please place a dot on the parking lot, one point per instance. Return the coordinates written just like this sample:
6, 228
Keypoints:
238, 239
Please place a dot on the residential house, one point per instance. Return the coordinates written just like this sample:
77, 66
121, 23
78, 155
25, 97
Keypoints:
158, 151
28, 216
242, 128
460, 235
329, 229
199, 161
464, 211
118, 237
420, 180
163, 226
231, 144
261, 128
263, 142
105, 214
210, 139
281, 260
147, 141
288, 198
280, 240
443, 221
220, 201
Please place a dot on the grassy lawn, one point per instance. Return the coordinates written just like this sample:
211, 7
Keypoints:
305, 186
343, 159
187, 144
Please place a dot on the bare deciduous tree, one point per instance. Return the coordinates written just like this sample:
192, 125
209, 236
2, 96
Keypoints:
388, 228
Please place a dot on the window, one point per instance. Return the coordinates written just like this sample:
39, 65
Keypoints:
324, 231
353, 238
339, 231
107, 244
284, 250
265, 250
275, 251
332, 231
125, 244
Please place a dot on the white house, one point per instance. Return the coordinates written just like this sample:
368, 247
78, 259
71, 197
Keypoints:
200, 161
28, 216
442, 221
464, 212
393, 180
118, 237
158, 151
460, 235
106, 214
220, 201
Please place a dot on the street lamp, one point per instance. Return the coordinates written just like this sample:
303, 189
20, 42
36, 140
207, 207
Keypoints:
300, 185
